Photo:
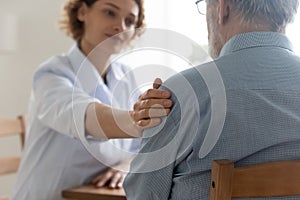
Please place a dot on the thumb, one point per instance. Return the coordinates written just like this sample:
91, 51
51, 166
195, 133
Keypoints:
157, 83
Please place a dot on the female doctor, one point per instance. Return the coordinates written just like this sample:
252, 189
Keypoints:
71, 105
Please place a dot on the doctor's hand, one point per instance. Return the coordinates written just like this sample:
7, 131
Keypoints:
112, 178
151, 106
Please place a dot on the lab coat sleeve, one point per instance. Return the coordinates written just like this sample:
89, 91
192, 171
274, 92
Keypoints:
61, 104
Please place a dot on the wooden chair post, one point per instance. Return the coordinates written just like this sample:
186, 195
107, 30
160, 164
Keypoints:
221, 179
11, 127
270, 179
23, 120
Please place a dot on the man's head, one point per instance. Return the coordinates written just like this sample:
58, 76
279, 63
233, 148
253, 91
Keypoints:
227, 18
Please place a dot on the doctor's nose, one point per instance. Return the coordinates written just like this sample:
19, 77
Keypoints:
119, 27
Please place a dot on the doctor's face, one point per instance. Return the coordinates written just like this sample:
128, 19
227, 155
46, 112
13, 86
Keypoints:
107, 19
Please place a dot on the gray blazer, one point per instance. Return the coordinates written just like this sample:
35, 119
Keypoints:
244, 106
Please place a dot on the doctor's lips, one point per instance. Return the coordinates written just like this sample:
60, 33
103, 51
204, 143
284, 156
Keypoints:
116, 37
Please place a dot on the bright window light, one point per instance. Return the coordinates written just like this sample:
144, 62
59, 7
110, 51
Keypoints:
183, 17
293, 33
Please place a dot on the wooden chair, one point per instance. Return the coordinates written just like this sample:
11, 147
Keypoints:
281, 178
9, 127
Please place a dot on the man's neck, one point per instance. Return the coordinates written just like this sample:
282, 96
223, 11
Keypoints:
237, 27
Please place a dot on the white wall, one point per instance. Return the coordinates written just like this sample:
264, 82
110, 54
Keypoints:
293, 33
38, 37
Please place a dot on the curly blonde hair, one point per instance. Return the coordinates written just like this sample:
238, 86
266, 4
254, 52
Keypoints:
74, 28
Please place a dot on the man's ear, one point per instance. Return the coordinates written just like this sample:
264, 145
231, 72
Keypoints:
82, 12
223, 11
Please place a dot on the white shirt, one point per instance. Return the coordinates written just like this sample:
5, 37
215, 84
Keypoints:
57, 152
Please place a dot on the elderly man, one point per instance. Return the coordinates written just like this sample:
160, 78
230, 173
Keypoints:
244, 106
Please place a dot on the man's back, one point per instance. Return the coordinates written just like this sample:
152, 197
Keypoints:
263, 112
260, 78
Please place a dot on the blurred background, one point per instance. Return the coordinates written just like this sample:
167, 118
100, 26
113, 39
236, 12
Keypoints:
29, 35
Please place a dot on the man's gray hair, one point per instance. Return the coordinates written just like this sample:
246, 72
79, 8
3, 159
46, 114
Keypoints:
274, 13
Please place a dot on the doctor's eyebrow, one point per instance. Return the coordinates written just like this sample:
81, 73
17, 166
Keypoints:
117, 7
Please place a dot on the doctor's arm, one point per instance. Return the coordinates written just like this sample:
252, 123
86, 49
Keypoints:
104, 122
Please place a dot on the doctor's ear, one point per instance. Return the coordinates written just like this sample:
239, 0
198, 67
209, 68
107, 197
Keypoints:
82, 11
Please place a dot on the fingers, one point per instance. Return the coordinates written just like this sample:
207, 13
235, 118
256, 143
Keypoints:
101, 180
147, 123
150, 113
157, 83
155, 94
153, 103
117, 180
114, 177
149, 117
121, 181
145, 110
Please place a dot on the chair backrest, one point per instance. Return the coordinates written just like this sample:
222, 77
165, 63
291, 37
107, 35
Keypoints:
280, 178
9, 127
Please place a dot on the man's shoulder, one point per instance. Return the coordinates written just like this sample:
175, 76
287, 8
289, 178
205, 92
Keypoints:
192, 79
